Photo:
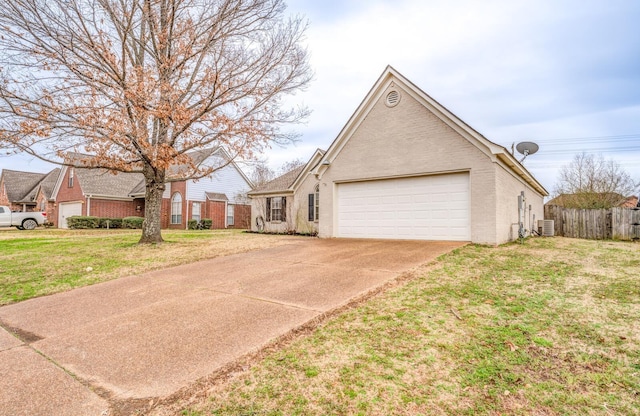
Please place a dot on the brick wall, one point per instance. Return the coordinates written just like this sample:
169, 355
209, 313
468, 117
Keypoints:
166, 207
242, 218
67, 194
3, 194
216, 211
115, 209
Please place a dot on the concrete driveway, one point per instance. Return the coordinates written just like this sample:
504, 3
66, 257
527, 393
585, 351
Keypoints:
147, 336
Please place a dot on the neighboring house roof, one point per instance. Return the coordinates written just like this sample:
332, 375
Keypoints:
46, 185
18, 184
564, 200
390, 75
23, 187
102, 182
289, 181
127, 185
214, 196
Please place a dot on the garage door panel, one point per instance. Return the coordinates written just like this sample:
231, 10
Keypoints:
427, 208
66, 210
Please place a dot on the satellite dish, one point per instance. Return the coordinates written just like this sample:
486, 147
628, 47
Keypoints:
526, 149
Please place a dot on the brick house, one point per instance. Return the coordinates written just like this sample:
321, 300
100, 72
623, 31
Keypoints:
28, 191
73, 191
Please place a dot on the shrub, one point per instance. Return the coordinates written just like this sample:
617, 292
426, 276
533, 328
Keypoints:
78, 222
132, 222
206, 223
192, 224
110, 223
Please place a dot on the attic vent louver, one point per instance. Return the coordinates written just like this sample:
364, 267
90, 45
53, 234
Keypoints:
393, 98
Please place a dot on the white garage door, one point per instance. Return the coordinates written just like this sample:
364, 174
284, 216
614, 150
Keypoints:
67, 210
421, 208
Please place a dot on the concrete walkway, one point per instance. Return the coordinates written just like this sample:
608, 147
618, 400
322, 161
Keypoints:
147, 336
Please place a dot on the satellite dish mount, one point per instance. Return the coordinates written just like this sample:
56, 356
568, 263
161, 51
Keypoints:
526, 149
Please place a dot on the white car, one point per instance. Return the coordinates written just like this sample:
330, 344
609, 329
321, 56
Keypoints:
21, 220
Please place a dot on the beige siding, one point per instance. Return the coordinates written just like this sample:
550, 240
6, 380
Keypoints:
301, 205
258, 209
409, 140
297, 210
508, 188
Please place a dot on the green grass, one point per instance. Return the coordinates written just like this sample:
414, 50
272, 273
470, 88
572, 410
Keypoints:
551, 327
42, 262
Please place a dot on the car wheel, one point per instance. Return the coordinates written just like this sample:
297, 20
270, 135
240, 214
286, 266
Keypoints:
29, 224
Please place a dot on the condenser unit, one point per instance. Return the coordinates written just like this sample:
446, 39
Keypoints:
546, 228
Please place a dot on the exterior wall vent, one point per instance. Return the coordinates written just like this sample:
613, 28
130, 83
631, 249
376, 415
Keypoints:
393, 98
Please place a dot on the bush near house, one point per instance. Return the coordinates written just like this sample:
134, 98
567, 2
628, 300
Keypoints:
204, 224
83, 222
132, 222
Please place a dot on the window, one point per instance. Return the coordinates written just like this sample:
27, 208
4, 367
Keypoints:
276, 209
42, 206
70, 178
230, 215
176, 208
314, 204
195, 211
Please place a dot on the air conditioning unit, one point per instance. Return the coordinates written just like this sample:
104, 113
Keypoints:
546, 228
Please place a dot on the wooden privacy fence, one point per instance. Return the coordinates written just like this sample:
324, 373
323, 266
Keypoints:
595, 224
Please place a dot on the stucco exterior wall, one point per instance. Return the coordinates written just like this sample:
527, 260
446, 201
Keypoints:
301, 205
508, 188
409, 140
259, 209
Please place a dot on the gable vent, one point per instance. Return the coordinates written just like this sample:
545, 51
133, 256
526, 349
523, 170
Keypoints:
393, 98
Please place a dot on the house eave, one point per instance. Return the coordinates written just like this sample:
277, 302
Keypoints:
270, 193
109, 197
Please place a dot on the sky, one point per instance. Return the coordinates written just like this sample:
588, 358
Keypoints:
563, 74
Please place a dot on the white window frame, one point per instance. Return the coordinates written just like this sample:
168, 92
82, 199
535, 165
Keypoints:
230, 214
276, 212
176, 208
196, 211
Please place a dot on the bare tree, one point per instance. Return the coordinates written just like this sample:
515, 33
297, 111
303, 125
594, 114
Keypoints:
289, 166
139, 84
592, 182
261, 173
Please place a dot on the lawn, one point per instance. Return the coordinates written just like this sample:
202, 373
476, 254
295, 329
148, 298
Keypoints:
41, 262
551, 327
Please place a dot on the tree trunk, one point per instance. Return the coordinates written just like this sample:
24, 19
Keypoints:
151, 226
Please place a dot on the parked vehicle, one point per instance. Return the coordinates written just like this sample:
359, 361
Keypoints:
21, 220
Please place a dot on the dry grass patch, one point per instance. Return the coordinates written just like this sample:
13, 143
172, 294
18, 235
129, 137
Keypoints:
49, 261
545, 328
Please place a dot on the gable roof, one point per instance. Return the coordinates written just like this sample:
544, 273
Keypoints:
289, 181
23, 187
46, 185
280, 184
18, 184
102, 182
391, 76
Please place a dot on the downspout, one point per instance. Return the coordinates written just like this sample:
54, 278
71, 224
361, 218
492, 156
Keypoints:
88, 205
